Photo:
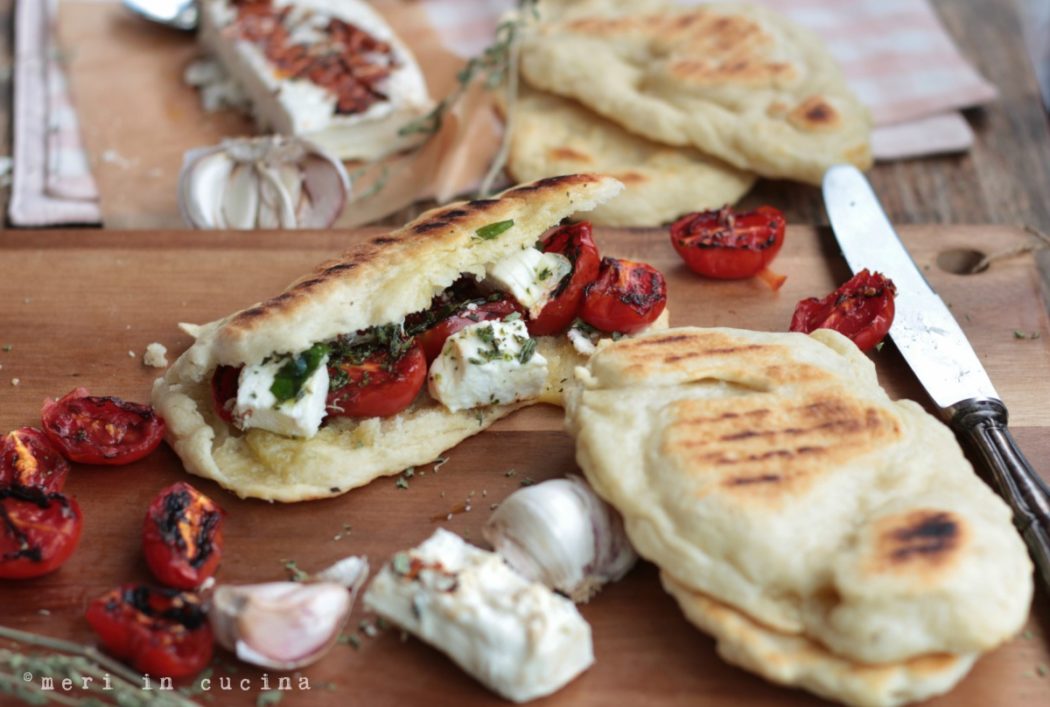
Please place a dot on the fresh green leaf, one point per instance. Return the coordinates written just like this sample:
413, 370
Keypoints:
487, 233
291, 376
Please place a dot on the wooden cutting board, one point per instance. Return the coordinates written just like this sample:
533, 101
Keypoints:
79, 307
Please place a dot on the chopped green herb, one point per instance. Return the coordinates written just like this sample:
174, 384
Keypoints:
509, 473
527, 481
1022, 335
401, 563
1041, 670
527, 351
487, 233
401, 483
290, 377
512, 317
617, 335
544, 274
268, 698
409, 472
294, 573
349, 639
8, 347
878, 346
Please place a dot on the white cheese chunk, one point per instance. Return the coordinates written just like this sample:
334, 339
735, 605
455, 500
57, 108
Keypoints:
300, 107
257, 407
156, 355
517, 637
482, 365
531, 276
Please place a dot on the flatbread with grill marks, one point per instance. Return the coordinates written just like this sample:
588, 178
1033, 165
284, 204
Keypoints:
771, 472
737, 82
374, 284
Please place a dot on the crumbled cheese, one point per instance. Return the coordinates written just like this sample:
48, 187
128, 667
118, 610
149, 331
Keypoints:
155, 355
488, 363
257, 406
531, 276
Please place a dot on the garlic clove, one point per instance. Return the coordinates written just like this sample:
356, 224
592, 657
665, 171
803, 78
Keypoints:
268, 182
240, 200
287, 625
560, 533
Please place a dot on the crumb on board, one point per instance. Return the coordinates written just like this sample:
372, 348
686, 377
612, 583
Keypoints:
156, 355
16, 381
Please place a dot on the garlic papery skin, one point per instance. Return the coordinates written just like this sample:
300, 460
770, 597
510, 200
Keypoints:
560, 533
286, 625
266, 182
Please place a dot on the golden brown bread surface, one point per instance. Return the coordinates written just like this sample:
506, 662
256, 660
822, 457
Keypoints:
771, 472
800, 662
740, 83
375, 284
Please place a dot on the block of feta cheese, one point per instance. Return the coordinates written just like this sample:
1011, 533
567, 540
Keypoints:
517, 637
257, 406
332, 71
488, 363
531, 276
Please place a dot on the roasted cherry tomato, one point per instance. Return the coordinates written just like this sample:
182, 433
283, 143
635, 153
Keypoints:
861, 309
101, 430
378, 385
726, 245
163, 632
224, 389
575, 243
433, 339
38, 531
626, 297
182, 536
27, 458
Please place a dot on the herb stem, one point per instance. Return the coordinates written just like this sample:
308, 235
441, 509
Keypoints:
500, 160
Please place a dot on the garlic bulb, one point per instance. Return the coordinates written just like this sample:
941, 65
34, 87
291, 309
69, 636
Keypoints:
266, 182
561, 534
286, 625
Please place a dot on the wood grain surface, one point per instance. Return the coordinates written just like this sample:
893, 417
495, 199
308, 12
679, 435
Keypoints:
79, 307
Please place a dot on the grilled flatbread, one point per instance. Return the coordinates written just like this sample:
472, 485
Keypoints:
737, 82
771, 472
375, 284
798, 661
553, 135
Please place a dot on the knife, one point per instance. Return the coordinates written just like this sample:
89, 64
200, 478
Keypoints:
939, 354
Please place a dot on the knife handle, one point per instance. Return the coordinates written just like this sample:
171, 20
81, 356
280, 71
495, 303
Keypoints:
982, 423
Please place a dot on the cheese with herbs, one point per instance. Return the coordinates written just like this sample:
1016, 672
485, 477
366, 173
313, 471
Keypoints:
258, 407
531, 276
488, 363
517, 637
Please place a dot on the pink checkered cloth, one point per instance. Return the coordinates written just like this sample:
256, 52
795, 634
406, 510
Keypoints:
896, 55
52, 182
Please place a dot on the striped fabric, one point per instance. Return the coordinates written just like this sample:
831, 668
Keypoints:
52, 182
895, 53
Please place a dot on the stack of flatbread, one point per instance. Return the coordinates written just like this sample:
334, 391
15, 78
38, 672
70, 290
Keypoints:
685, 106
827, 536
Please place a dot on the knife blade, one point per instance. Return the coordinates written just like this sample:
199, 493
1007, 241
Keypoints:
938, 352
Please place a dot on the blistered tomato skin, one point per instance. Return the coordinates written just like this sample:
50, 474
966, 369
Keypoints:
38, 531
182, 536
377, 386
861, 309
627, 297
28, 458
101, 430
163, 632
726, 245
576, 243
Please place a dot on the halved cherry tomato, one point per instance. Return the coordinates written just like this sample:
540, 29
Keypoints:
626, 297
861, 309
224, 389
163, 632
575, 243
38, 531
378, 386
726, 245
433, 339
27, 458
101, 430
182, 536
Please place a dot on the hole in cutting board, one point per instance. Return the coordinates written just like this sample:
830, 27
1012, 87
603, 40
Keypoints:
961, 261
